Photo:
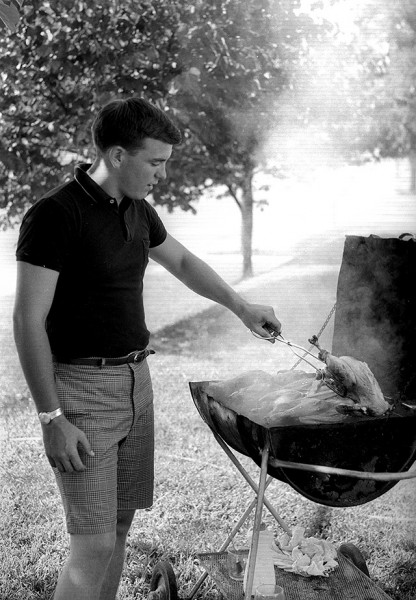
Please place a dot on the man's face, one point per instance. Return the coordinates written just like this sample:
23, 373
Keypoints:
140, 172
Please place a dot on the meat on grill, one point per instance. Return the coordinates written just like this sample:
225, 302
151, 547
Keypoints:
291, 397
358, 380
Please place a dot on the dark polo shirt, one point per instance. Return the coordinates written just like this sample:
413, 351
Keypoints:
101, 251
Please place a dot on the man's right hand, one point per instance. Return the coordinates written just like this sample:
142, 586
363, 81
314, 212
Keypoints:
61, 440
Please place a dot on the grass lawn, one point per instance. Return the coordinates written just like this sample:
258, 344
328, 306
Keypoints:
199, 495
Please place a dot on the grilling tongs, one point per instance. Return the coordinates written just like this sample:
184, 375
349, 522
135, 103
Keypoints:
322, 373
278, 337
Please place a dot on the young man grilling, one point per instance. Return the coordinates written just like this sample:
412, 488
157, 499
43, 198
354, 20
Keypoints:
82, 339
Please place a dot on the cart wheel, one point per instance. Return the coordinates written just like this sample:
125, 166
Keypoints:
354, 555
163, 583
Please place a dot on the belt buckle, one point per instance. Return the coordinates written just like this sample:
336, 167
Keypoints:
136, 356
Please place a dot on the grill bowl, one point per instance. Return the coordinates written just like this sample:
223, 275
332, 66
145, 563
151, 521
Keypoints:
368, 444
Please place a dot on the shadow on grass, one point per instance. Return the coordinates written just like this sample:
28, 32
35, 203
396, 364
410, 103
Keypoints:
320, 522
199, 334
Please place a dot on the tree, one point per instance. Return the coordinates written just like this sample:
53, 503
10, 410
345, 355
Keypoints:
371, 128
220, 66
398, 135
372, 111
65, 59
237, 61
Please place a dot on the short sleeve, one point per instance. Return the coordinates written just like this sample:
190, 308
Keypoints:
157, 230
45, 235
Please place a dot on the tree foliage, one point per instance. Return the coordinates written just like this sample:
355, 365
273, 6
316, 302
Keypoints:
224, 68
238, 60
65, 60
398, 131
372, 82
233, 71
219, 66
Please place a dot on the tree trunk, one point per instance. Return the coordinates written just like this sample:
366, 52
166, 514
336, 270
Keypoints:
412, 161
246, 206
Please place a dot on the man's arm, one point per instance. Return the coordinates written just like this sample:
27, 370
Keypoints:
203, 280
34, 294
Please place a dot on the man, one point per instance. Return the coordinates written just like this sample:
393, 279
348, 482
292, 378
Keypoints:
81, 335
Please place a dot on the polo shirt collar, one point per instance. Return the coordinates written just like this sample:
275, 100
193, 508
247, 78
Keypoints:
90, 187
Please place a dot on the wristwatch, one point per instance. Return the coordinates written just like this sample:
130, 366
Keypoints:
46, 417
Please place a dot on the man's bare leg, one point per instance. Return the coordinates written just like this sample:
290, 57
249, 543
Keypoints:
115, 568
84, 572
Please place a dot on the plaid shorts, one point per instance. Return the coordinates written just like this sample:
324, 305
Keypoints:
113, 406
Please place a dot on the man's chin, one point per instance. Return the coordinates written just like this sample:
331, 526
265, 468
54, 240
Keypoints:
142, 195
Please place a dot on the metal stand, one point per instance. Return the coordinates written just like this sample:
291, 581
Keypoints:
227, 542
257, 520
349, 581
247, 477
258, 503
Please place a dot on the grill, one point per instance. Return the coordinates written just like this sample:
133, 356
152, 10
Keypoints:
334, 464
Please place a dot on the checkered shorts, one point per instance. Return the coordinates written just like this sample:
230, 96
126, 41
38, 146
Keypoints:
113, 406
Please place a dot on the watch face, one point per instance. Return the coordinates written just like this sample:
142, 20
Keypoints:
44, 418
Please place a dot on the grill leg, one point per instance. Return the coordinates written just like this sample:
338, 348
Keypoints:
247, 477
227, 542
257, 521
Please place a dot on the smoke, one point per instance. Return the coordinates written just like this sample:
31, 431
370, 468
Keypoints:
312, 133
307, 116
315, 117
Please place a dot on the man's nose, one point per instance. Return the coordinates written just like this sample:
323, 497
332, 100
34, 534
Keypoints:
161, 172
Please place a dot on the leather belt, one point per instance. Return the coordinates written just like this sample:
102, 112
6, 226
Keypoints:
96, 361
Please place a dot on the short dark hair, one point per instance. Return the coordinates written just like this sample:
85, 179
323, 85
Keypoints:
127, 122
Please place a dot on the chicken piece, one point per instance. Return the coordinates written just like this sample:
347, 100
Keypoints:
359, 382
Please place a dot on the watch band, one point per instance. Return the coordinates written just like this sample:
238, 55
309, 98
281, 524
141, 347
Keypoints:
46, 417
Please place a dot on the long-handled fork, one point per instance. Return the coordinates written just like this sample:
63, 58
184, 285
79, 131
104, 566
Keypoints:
329, 380
278, 337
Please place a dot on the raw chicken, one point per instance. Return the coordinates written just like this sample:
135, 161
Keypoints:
293, 397
358, 380
288, 398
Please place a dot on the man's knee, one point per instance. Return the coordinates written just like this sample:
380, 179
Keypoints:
97, 548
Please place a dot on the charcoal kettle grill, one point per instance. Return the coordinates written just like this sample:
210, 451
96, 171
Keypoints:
334, 464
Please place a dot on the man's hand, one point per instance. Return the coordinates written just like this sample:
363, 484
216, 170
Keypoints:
260, 320
61, 440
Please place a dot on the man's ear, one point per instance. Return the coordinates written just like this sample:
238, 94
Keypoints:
115, 155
